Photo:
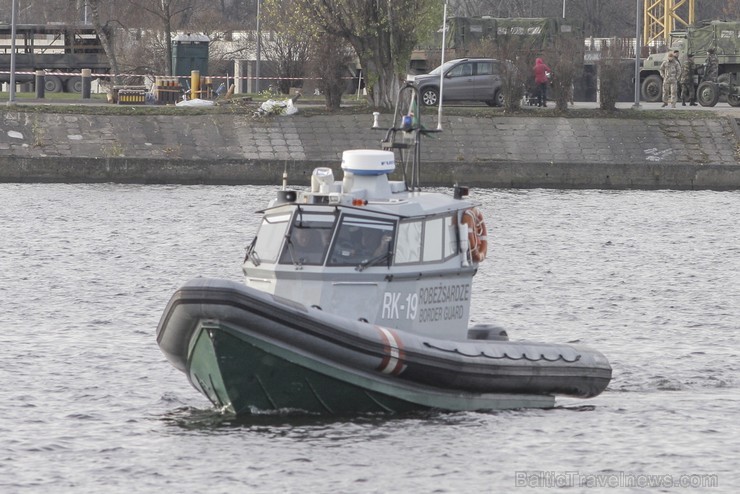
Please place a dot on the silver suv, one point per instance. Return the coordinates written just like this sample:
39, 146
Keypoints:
465, 79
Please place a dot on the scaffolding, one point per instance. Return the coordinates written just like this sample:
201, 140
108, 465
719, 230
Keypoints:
663, 16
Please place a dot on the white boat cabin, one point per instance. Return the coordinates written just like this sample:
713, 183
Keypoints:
367, 248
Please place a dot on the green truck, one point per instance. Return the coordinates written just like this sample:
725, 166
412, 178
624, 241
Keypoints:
724, 37
60, 50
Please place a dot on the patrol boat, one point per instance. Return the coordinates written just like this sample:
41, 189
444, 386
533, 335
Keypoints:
356, 299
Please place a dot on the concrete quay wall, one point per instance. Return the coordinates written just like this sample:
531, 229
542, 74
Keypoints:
505, 151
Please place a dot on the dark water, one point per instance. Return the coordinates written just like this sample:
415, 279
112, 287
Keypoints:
89, 404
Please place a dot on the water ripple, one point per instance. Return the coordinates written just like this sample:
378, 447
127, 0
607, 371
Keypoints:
89, 404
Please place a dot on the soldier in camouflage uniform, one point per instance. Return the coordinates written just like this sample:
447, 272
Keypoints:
670, 70
711, 69
687, 81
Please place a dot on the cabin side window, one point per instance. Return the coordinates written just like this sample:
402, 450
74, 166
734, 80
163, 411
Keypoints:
408, 242
450, 241
270, 237
433, 239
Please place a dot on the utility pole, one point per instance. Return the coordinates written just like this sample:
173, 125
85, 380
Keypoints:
441, 72
13, 21
259, 49
638, 51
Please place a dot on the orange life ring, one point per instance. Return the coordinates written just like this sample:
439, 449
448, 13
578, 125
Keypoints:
477, 234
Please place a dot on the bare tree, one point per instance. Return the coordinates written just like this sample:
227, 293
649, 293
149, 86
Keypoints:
567, 64
731, 9
35, 12
289, 56
382, 34
142, 51
499, 8
239, 11
172, 15
105, 33
563, 52
514, 63
331, 57
610, 69
602, 18
288, 46
292, 47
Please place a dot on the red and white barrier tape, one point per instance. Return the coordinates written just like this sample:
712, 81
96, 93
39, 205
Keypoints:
77, 74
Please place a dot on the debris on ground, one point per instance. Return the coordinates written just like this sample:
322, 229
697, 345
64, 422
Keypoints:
278, 107
196, 102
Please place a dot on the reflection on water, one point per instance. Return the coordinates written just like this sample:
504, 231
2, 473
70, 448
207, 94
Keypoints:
206, 419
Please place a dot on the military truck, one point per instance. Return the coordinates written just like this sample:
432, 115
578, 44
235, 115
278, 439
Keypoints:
724, 37
61, 50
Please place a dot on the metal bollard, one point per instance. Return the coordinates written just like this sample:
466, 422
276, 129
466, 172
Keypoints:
194, 84
86, 83
40, 81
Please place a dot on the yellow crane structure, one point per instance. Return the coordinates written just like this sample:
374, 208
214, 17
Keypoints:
663, 16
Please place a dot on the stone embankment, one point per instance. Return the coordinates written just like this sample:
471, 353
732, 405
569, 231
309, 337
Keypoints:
671, 151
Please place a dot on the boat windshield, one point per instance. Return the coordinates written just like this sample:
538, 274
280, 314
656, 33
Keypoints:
308, 239
362, 241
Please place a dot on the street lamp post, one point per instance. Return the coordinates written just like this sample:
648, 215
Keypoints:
441, 71
11, 89
638, 50
259, 49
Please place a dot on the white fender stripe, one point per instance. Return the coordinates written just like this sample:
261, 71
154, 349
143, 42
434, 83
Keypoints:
392, 362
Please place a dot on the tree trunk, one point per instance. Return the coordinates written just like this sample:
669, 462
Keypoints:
382, 92
167, 19
105, 40
376, 59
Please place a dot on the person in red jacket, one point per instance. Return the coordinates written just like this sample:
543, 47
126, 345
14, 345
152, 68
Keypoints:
541, 80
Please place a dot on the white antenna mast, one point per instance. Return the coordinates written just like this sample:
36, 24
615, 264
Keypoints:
441, 72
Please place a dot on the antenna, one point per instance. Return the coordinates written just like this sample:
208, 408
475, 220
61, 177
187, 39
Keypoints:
441, 72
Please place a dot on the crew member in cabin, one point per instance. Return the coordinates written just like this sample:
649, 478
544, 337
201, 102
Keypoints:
308, 246
374, 243
541, 81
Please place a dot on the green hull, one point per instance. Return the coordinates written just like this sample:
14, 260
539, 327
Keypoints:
242, 374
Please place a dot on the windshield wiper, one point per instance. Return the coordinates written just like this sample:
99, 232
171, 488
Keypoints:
252, 254
375, 260
291, 250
